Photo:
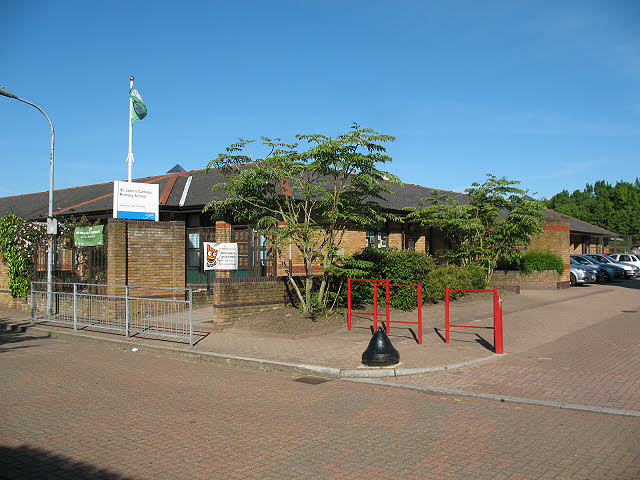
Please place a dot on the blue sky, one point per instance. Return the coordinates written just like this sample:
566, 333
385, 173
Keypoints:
543, 92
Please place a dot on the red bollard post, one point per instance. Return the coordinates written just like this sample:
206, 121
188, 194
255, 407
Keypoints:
349, 303
375, 306
419, 314
446, 314
497, 323
388, 312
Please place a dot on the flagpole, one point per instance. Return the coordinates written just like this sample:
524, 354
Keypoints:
130, 156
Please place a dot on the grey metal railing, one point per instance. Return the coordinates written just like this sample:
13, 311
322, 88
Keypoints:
140, 311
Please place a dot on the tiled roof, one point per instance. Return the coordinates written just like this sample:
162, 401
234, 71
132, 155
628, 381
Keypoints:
98, 199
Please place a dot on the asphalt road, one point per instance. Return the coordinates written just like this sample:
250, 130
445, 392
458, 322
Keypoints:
81, 411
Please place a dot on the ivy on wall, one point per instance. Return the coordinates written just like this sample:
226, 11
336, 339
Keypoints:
18, 240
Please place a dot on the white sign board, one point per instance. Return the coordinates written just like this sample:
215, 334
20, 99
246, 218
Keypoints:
220, 256
137, 201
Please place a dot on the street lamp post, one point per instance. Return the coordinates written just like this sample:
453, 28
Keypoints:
52, 227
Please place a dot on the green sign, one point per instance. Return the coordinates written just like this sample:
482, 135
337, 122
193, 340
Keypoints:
88, 236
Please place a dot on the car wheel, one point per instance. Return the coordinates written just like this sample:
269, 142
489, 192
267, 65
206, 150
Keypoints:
606, 276
573, 280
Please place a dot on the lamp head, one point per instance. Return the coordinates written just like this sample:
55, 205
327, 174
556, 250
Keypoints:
5, 93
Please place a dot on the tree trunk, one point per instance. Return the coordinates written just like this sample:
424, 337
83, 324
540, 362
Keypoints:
292, 281
307, 293
323, 284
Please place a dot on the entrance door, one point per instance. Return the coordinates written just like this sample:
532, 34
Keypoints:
252, 252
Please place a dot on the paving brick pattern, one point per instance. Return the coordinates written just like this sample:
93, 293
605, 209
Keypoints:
532, 319
596, 365
77, 411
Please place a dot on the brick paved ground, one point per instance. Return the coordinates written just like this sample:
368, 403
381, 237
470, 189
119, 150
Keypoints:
78, 411
531, 320
596, 365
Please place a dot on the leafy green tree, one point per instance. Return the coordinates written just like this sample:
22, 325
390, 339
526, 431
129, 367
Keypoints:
614, 208
497, 218
306, 198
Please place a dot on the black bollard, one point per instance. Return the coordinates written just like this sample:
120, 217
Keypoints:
380, 352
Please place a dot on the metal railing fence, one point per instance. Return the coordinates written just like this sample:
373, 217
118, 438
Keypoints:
140, 311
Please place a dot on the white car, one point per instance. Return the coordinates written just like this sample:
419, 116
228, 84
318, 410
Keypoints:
629, 270
625, 258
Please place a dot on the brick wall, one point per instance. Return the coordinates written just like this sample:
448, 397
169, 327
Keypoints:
555, 238
354, 241
6, 299
514, 280
234, 298
150, 254
395, 235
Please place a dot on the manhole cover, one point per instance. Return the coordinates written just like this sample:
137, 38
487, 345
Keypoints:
312, 380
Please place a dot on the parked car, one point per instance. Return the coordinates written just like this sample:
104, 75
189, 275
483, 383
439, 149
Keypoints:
609, 271
625, 258
600, 273
581, 274
629, 270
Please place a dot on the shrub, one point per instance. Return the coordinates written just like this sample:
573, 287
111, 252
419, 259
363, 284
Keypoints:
406, 267
512, 262
399, 266
470, 277
536, 260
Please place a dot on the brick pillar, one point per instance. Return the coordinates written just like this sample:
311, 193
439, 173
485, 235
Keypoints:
223, 235
143, 253
116, 252
555, 238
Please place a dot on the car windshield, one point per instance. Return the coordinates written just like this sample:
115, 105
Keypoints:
582, 261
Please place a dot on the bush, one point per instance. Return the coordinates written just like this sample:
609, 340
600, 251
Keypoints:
405, 267
471, 277
399, 266
536, 260
511, 263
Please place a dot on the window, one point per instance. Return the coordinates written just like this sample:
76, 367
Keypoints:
378, 238
196, 236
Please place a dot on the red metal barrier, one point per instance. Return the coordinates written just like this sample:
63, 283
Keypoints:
375, 301
375, 313
497, 318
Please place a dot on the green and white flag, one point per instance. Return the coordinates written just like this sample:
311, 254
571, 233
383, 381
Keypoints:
138, 109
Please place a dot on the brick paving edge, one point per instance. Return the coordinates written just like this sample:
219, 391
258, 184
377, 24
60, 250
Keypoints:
236, 360
366, 375
502, 398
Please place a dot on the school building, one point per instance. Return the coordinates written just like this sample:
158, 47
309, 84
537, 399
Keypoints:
169, 252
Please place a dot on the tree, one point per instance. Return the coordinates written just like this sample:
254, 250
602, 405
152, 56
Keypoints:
306, 198
614, 208
497, 218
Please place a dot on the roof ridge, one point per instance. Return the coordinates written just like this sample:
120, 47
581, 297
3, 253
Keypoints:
431, 188
597, 226
157, 177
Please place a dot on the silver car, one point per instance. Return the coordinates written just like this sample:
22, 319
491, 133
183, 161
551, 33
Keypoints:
609, 271
629, 270
581, 274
